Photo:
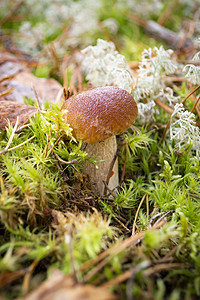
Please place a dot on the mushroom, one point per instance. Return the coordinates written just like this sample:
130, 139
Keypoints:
96, 117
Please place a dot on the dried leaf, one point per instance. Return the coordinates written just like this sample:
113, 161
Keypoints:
60, 286
24, 82
8, 277
10, 110
20, 78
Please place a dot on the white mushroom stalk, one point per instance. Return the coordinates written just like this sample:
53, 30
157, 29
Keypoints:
105, 178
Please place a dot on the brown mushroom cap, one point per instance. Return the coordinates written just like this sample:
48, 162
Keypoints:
97, 114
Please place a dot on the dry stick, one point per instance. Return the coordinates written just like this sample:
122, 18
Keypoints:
10, 14
131, 241
126, 275
195, 104
59, 96
54, 55
71, 255
116, 249
124, 169
12, 135
9, 277
6, 78
18, 146
194, 99
165, 131
109, 173
175, 78
136, 215
6, 92
167, 12
147, 206
168, 124
168, 109
106, 188
163, 267
124, 226
107, 255
80, 80
161, 33
162, 215
66, 93
123, 277
48, 142
56, 142
36, 97
192, 92
73, 161
27, 277
22, 127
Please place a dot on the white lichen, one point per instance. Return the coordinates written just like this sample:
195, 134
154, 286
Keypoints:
146, 112
103, 65
155, 63
193, 71
183, 129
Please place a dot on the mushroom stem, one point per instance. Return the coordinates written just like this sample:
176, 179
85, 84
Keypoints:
105, 151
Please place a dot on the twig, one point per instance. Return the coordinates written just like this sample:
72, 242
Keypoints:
161, 33
106, 256
167, 12
192, 92
27, 277
147, 206
136, 215
6, 92
126, 275
59, 95
124, 169
66, 93
110, 172
165, 131
195, 105
71, 255
36, 97
22, 127
11, 149
73, 161
11, 137
131, 241
168, 109
106, 188
168, 124
48, 142
162, 215
6, 78
56, 142
10, 14
150, 271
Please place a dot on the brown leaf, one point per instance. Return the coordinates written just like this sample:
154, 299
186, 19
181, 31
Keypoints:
9, 110
24, 82
8, 277
63, 287
14, 74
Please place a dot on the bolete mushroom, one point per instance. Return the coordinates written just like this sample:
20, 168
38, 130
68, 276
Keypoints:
96, 117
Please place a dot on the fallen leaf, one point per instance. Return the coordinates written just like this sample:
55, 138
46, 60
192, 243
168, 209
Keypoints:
10, 110
63, 287
8, 277
19, 77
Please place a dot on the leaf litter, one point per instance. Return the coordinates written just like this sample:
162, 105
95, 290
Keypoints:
140, 243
